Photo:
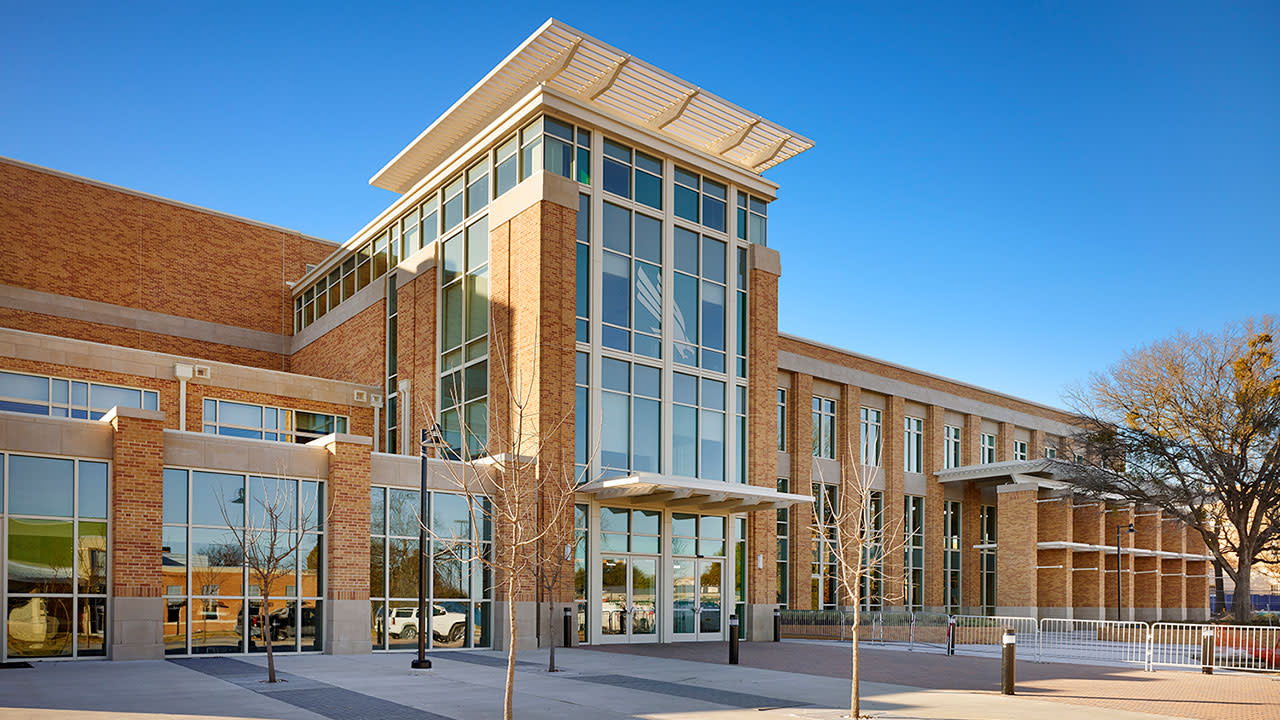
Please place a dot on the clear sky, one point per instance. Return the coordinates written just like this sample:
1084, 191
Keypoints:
1009, 194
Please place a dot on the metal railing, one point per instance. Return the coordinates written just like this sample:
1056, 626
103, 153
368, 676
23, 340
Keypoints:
1225, 647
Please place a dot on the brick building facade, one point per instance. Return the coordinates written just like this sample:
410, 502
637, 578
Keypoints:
580, 222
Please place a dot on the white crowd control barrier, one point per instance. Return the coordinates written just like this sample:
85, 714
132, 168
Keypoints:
980, 634
1224, 647
1107, 641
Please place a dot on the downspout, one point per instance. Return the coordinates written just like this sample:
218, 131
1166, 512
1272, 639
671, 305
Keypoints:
183, 373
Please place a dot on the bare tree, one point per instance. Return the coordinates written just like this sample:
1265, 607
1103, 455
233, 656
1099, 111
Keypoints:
1191, 425
520, 479
277, 517
858, 539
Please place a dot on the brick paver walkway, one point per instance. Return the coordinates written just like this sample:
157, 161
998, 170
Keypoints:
1182, 694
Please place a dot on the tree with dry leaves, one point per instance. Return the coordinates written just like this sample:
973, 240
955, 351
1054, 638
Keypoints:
1191, 425
850, 522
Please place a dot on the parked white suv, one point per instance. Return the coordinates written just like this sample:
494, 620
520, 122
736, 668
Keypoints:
446, 627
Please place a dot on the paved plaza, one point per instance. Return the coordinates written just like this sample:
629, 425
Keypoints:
668, 682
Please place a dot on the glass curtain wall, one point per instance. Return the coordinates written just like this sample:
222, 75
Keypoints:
212, 598
459, 587
913, 552
824, 571
54, 516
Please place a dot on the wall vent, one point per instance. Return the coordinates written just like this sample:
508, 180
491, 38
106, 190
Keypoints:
203, 372
361, 396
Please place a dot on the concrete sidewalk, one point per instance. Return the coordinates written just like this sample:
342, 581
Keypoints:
468, 686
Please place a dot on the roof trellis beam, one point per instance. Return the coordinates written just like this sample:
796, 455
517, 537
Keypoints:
733, 139
601, 84
767, 153
559, 62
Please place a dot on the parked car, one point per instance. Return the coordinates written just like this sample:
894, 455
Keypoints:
446, 627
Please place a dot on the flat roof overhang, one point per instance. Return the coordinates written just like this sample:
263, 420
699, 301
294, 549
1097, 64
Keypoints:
606, 80
692, 494
1044, 473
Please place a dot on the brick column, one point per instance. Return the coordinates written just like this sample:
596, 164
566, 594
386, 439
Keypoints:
1054, 582
891, 460
346, 611
934, 579
801, 445
532, 270
137, 491
416, 349
1198, 578
1172, 571
1016, 589
1035, 450
848, 452
1088, 583
1146, 570
1120, 516
970, 522
1004, 442
762, 437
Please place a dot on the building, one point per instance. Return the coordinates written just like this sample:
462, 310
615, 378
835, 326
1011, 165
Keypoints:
161, 363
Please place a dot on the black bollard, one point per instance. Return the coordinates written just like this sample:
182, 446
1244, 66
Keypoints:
1008, 642
1206, 651
777, 624
568, 627
733, 639
951, 635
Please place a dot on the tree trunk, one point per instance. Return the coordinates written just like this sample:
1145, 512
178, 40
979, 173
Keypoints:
507, 712
264, 622
1219, 587
551, 636
1241, 600
855, 694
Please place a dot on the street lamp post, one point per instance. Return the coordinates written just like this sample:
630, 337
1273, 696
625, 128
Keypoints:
1119, 575
432, 439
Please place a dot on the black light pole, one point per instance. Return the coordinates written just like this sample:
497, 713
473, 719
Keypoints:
1119, 575
431, 439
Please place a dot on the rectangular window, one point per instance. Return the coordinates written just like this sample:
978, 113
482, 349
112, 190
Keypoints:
987, 558
631, 417
1051, 452
950, 446
784, 545
823, 571
261, 422
871, 584
555, 146
582, 300
913, 444
988, 449
61, 397
913, 552
753, 219
1019, 450
782, 420
871, 436
824, 428
952, 581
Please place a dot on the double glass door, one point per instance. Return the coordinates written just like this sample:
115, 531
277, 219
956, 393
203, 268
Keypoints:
697, 592
628, 598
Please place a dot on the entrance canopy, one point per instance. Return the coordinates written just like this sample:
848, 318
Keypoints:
692, 494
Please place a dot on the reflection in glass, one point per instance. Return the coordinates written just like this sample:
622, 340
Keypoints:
402, 513
402, 624
311, 633
175, 626
377, 624
683, 596
449, 624
644, 596
217, 624
41, 486
216, 563
92, 557
39, 626
613, 596
282, 619
709, 591
40, 556
402, 557
217, 498
93, 489
480, 624
451, 571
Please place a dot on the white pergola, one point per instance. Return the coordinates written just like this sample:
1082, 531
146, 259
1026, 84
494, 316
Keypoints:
679, 493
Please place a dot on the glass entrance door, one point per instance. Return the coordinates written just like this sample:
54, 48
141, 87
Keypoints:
696, 594
628, 599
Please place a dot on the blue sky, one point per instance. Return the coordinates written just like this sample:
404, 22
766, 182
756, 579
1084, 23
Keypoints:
1007, 194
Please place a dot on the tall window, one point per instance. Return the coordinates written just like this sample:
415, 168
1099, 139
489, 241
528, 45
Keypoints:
1051, 452
1019, 450
580, 578
459, 588
950, 446
824, 427
631, 417
987, 557
913, 552
57, 551
913, 444
59, 397
951, 556
464, 335
824, 572
209, 591
582, 299
581, 413
259, 422
753, 219
631, 284
782, 420
871, 584
632, 174
697, 412
699, 300
740, 570
784, 545
871, 436
988, 449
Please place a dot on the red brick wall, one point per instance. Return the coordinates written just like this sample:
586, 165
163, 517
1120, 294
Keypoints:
800, 443
77, 238
136, 501
416, 347
762, 431
355, 351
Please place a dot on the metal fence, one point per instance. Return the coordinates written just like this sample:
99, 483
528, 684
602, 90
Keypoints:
1226, 647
